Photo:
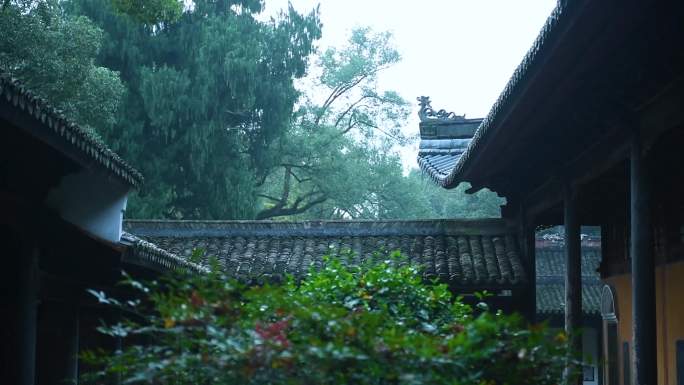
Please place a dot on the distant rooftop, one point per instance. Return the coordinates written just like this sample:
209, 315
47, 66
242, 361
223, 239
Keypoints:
550, 263
466, 254
444, 137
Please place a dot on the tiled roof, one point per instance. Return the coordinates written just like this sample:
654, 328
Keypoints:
443, 139
448, 173
550, 263
468, 254
142, 253
51, 123
437, 157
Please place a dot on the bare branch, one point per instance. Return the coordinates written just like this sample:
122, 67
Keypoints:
339, 91
268, 197
291, 165
351, 106
294, 209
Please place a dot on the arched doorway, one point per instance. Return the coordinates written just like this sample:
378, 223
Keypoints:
609, 315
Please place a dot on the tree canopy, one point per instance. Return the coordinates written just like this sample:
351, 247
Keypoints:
208, 97
229, 115
55, 55
340, 158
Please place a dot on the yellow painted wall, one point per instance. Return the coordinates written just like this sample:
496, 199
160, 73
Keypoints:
670, 317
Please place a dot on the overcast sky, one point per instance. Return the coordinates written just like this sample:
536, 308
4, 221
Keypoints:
461, 53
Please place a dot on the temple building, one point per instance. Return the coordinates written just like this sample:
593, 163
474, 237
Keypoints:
589, 131
63, 195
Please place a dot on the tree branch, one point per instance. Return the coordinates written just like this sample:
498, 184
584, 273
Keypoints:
339, 91
295, 208
351, 106
268, 197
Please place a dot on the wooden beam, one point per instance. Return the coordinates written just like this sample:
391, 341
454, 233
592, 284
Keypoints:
609, 152
573, 278
643, 270
662, 113
544, 197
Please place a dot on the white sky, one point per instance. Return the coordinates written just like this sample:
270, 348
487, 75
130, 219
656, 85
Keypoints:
461, 53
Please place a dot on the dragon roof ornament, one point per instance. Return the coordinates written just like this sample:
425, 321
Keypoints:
426, 113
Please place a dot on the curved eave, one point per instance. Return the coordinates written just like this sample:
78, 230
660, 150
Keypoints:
436, 168
460, 172
442, 144
146, 254
48, 123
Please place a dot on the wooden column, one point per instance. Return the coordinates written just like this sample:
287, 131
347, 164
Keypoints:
25, 317
573, 275
58, 344
527, 235
643, 271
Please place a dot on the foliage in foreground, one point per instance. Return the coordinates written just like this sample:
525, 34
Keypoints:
378, 324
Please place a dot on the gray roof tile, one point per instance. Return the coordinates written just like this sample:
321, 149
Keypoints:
550, 263
143, 253
444, 137
463, 253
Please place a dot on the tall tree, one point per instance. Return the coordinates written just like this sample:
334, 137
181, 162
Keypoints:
208, 112
150, 12
349, 77
338, 143
340, 158
208, 97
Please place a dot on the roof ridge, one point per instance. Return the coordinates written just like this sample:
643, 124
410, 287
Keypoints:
464, 261
261, 221
491, 226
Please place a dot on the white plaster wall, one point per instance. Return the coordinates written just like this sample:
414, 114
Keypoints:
93, 201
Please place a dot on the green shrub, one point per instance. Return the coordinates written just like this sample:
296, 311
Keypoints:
375, 324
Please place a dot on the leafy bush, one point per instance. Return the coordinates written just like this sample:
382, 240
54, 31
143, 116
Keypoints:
375, 324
